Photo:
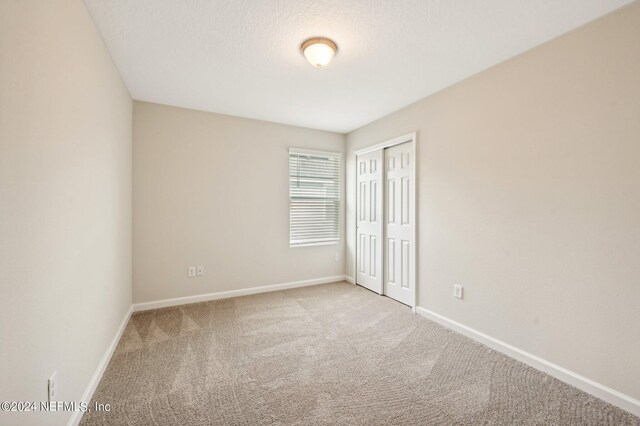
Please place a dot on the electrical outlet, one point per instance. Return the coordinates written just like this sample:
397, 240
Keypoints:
200, 271
192, 271
337, 257
457, 291
52, 387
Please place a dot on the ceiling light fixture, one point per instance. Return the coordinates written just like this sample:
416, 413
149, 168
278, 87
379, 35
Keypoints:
318, 51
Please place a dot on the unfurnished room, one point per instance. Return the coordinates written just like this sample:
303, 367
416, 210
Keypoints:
319, 212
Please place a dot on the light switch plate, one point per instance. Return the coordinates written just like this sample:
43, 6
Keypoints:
200, 271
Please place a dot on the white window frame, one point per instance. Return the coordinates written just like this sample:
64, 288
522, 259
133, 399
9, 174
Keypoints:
328, 154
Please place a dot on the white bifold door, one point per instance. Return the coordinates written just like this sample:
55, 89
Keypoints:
399, 262
369, 220
385, 252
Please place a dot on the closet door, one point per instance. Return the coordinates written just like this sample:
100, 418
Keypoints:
369, 220
399, 261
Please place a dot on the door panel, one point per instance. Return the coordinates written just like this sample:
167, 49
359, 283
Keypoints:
399, 279
369, 227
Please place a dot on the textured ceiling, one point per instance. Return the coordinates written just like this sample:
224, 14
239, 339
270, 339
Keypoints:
241, 57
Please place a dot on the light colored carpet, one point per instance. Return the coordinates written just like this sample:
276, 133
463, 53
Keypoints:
328, 354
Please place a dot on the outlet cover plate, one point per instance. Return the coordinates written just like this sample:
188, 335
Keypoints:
457, 291
52, 387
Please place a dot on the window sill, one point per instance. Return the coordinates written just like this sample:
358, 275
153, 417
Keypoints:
332, 243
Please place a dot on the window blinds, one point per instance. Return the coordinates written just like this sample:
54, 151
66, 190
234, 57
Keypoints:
314, 197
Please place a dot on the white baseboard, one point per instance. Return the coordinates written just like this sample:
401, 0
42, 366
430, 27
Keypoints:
102, 366
598, 390
349, 279
232, 293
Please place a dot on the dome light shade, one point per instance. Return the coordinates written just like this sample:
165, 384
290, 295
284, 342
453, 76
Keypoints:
318, 51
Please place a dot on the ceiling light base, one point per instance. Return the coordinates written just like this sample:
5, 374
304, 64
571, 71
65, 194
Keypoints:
319, 51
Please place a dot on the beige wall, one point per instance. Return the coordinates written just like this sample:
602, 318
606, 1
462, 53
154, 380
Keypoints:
65, 202
529, 196
213, 190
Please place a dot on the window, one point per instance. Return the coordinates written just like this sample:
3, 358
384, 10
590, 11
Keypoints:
314, 197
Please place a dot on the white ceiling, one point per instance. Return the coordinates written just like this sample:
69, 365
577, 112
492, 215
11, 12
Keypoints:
241, 57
